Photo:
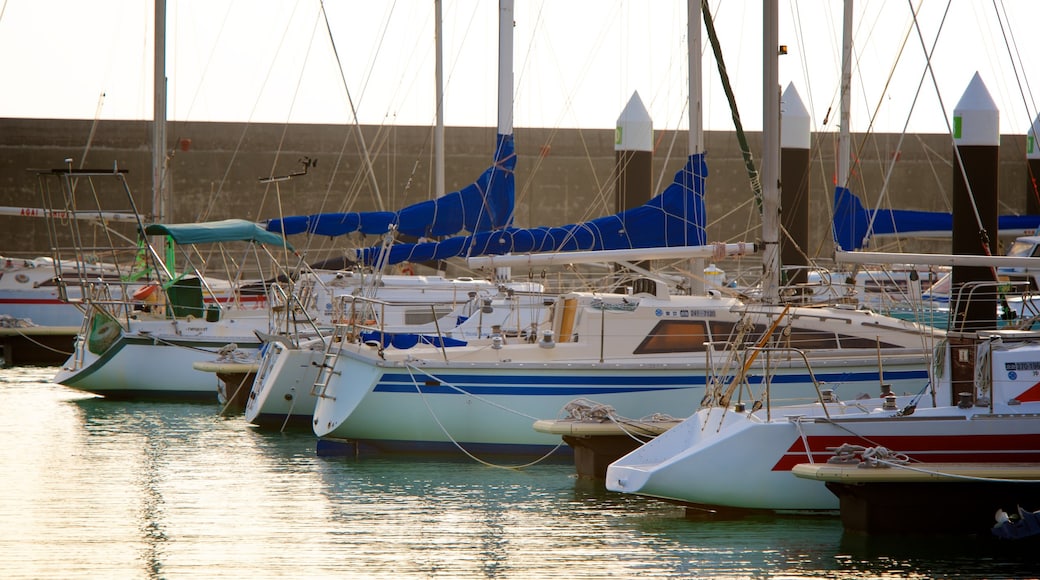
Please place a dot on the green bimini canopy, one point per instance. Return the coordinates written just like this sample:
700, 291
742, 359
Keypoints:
233, 230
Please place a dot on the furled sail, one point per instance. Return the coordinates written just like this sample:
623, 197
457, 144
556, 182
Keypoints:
675, 217
852, 221
483, 205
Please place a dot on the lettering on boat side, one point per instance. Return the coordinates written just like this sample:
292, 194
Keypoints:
685, 313
1029, 365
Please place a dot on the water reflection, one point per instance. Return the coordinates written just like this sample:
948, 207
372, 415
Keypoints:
159, 490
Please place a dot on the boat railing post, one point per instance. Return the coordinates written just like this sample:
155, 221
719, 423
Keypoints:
437, 327
602, 332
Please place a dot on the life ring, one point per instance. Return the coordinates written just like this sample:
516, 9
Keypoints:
21, 277
407, 270
144, 292
103, 337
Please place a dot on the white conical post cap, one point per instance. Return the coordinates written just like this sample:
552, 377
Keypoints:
976, 119
635, 129
794, 126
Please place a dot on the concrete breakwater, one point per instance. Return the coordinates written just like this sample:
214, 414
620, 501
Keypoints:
562, 176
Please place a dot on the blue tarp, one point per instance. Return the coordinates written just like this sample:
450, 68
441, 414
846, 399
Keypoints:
484, 205
674, 218
233, 230
851, 220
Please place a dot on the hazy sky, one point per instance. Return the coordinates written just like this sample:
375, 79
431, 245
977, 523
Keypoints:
577, 62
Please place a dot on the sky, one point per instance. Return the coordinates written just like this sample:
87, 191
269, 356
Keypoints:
576, 62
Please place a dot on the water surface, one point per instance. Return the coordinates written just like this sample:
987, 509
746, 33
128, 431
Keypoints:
105, 489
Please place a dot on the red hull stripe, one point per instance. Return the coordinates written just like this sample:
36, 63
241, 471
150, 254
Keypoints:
960, 448
222, 300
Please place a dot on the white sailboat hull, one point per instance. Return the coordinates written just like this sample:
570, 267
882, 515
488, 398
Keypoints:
727, 459
481, 397
281, 394
747, 464
153, 359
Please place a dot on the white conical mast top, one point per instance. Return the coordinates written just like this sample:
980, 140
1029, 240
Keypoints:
794, 128
976, 119
635, 128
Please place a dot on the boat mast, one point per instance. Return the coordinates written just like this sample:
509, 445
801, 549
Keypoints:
505, 86
159, 114
693, 59
505, 67
845, 129
770, 153
438, 130
696, 134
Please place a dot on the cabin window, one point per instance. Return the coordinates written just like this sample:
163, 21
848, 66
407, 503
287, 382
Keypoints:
674, 336
726, 332
805, 338
860, 342
425, 315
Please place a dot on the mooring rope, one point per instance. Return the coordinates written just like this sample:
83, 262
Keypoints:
452, 439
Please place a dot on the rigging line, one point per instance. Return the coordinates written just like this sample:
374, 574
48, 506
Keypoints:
209, 60
898, 465
40, 344
984, 238
877, 107
913, 104
1030, 110
1034, 191
594, 49
241, 139
354, 187
288, 414
285, 130
296, 92
745, 149
369, 169
804, 61
451, 438
93, 129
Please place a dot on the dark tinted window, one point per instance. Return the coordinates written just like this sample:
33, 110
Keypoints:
674, 336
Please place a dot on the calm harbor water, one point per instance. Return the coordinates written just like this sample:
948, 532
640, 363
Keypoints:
104, 489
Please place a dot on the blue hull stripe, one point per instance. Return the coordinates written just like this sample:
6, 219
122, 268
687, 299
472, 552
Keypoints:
578, 385
327, 447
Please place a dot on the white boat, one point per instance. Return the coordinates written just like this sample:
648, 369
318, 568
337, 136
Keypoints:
29, 292
641, 354
144, 345
39, 324
982, 407
36, 325
727, 458
282, 393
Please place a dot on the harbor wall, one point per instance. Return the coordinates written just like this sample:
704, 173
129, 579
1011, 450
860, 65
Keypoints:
562, 175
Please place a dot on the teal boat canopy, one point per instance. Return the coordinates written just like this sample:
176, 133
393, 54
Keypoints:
233, 230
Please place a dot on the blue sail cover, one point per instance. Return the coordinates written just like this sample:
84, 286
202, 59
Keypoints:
484, 205
851, 220
676, 217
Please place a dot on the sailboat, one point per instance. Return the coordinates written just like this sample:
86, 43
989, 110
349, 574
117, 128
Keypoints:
281, 391
142, 343
143, 327
641, 352
981, 406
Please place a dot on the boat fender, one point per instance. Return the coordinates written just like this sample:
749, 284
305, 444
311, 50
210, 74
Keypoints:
104, 336
144, 292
